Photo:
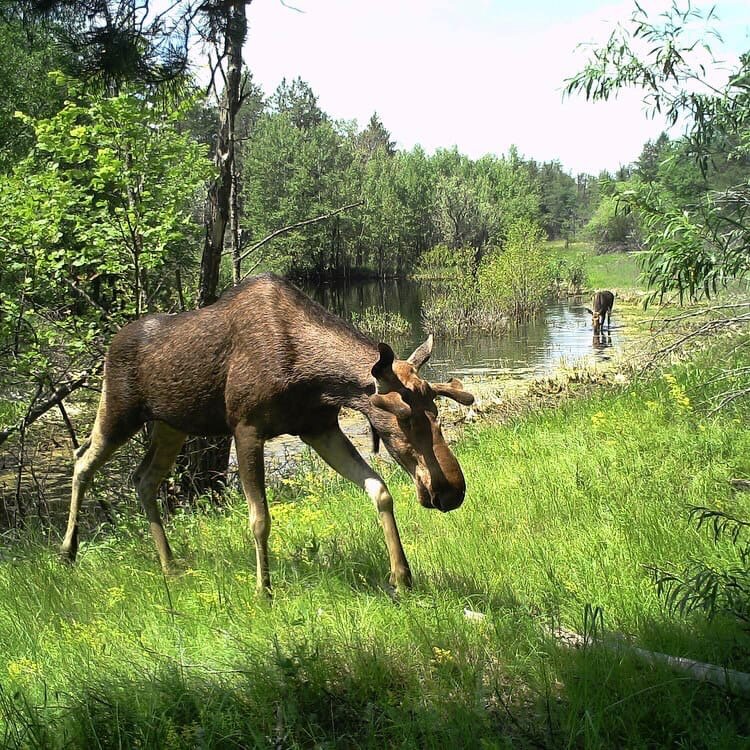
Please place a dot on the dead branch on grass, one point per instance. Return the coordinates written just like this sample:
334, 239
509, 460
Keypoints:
728, 679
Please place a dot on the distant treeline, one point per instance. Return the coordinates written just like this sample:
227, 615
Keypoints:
297, 162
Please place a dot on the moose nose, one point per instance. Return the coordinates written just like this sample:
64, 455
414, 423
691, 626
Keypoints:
448, 500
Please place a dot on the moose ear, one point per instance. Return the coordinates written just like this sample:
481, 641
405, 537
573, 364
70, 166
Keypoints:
455, 390
421, 354
384, 363
392, 403
589, 310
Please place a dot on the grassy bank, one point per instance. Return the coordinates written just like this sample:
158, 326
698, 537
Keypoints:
565, 508
618, 271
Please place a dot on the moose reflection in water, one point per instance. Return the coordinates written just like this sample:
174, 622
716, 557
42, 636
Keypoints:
262, 361
601, 342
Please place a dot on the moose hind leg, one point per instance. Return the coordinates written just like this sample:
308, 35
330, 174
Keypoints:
93, 454
166, 443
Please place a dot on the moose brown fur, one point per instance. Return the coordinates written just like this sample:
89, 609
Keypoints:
262, 361
602, 303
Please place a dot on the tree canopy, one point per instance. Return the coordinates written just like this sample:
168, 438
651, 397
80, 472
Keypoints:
692, 197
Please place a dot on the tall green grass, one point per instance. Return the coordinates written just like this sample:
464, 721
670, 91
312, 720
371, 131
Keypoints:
565, 509
606, 271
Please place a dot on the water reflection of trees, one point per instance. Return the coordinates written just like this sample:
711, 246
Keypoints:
393, 295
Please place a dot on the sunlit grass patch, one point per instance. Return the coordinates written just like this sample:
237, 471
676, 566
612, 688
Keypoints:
616, 271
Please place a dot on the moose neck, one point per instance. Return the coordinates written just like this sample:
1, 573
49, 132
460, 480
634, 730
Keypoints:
347, 364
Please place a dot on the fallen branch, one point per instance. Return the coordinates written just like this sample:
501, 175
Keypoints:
705, 329
727, 679
55, 398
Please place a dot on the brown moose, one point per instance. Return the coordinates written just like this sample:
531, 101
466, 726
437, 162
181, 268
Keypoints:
261, 361
602, 304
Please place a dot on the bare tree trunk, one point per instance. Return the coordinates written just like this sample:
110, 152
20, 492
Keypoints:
205, 462
234, 226
220, 191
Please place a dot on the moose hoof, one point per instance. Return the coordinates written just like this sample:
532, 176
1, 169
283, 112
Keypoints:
68, 553
401, 580
173, 568
66, 557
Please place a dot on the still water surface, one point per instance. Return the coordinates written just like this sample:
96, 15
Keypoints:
562, 333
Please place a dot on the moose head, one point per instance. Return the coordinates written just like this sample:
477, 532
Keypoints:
405, 417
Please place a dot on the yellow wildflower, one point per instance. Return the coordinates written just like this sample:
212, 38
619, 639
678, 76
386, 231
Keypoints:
22, 669
442, 655
677, 392
93, 634
115, 595
209, 597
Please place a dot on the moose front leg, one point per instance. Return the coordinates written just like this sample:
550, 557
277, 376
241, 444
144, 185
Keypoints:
338, 452
252, 475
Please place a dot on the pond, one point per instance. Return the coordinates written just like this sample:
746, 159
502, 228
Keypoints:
563, 332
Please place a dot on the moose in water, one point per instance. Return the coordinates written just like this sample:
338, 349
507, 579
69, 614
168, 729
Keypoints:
602, 304
262, 361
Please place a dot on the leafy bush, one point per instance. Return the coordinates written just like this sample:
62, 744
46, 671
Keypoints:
517, 281
705, 587
454, 313
97, 223
439, 262
568, 276
611, 226
456, 305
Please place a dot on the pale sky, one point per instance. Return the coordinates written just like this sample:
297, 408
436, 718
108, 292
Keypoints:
479, 74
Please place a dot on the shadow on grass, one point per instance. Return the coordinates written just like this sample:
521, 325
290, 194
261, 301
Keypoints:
300, 696
325, 693
359, 563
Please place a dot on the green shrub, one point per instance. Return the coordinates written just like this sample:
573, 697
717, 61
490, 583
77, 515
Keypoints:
517, 281
456, 306
611, 227
577, 277
568, 276
439, 262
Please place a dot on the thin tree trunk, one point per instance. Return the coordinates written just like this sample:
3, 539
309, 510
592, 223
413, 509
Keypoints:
234, 226
205, 463
220, 191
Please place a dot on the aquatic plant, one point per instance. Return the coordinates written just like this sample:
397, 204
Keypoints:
381, 324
